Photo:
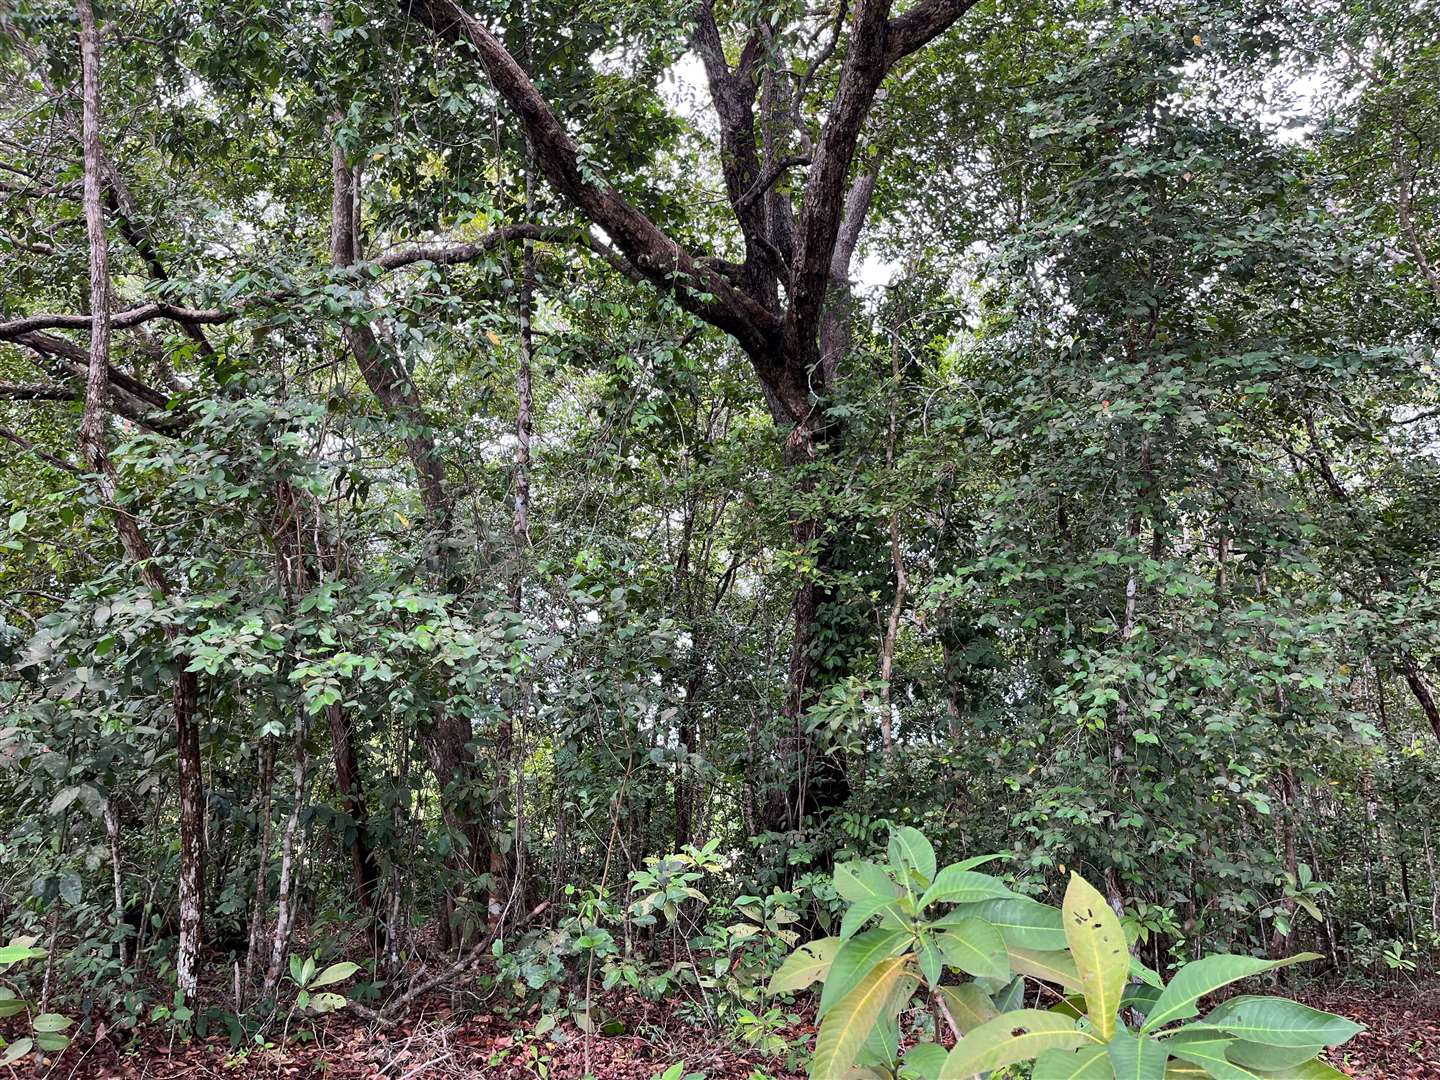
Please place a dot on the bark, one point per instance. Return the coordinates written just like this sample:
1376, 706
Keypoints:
191, 886
262, 861
289, 855
112, 834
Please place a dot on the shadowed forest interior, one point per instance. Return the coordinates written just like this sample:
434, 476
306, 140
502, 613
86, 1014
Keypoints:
556, 505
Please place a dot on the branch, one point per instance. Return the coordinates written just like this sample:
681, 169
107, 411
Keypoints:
921, 25
661, 260
30, 448
16, 330
772, 174
37, 392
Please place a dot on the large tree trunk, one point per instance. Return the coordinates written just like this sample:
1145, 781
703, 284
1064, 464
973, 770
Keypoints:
191, 886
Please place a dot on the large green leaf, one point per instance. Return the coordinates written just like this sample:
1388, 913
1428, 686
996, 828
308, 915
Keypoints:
1087, 1063
924, 1061
844, 1030
1101, 953
1136, 1057
1281, 1022
1011, 1037
909, 848
968, 1005
855, 959
1206, 1050
1311, 1070
803, 966
976, 948
860, 881
1056, 966
858, 914
334, 973
1264, 1058
1024, 922
955, 886
1179, 1000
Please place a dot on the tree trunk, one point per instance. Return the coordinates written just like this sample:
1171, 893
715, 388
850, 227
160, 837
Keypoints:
289, 855
92, 444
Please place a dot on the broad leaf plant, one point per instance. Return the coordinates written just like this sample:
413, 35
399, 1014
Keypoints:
963, 944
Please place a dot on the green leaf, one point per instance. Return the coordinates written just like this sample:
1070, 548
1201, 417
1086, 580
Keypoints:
52, 1042
1136, 1057
976, 948
16, 1050
1205, 976
1024, 922
1100, 951
1052, 966
335, 973
909, 848
858, 914
805, 965
855, 959
861, 881
923, 1061
1281, 1022
18, 521
1264, 1058
968, 1005
48, 1022
13, 954
1009, 1038
955, 886
1087, 1063
326, 1002
1206, 1050
847, 1026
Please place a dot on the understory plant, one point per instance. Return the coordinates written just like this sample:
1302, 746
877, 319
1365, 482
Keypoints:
971, 952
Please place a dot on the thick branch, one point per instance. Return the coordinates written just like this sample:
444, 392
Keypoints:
37, 392
921, 25
655, 255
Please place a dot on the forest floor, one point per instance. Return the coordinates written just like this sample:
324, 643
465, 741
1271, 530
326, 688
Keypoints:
1402, 1042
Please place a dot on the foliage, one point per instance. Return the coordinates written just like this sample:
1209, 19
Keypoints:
1111, 1017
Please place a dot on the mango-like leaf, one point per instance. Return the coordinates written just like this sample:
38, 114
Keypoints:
955, 886
1206, 1051
16, 1050
52, 1041
1205, 976
1148, 976
860, 881
923, 1061
1281, 1022
1010, 1037
805, 965
1136, 1057
909, 848
1264, 1058
1024, 922
1311, 1070
968, 1006
335, 973
1087, 1063
1012, 996
844, 1030
854, 960
1101, 953
976, 948
857, 915
1052, 966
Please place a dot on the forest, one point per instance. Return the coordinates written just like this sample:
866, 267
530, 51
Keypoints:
720, 539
